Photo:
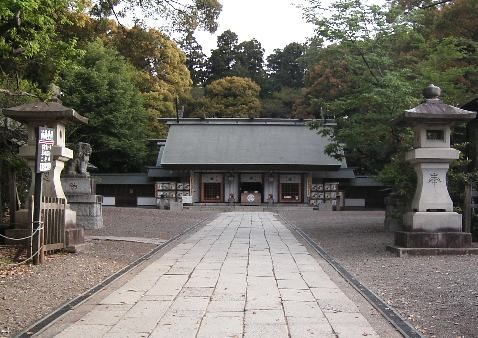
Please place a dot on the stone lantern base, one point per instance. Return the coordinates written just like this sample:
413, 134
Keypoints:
403, 252
432, 221
432, 233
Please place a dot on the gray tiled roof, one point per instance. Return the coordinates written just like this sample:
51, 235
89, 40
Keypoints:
203, 144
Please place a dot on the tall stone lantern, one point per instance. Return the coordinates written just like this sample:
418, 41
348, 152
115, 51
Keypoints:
52, 115
431, 226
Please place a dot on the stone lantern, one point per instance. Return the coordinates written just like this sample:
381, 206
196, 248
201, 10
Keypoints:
431, 226
52, 115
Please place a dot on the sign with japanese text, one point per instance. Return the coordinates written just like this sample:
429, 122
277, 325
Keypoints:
46, 140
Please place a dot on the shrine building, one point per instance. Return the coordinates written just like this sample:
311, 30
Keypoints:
247, 161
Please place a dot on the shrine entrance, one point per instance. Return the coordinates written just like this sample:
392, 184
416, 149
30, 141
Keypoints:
251, 189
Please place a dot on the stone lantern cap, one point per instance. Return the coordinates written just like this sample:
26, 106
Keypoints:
44, 111
433, 110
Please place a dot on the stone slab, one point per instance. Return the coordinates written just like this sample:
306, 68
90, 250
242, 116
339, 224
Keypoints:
403, 252
432, 239
350, 325
432, 221
156, 241
221, 326
78, 331
77, 185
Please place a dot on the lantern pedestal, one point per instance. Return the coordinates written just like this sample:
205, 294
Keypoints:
432, 221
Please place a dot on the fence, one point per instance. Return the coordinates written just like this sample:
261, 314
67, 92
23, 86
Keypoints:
53, 217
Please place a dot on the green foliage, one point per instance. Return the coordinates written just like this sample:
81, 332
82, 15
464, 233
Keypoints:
222, 59
280, 104
30, 48
182, 16
249, 60
285, 67
195, 59
164, 75
231, 97
28, 26
232, 58
102, 88
367, 64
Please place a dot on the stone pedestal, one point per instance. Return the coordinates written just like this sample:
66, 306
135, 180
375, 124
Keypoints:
80, 192
432, 239
432, 221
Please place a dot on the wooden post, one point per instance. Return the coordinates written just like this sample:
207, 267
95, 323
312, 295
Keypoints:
13, 196
36, 240
36, 219
467, 208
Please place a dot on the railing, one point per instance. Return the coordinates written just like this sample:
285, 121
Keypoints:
53, 217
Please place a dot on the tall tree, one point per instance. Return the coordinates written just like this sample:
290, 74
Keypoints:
285, 67
223, 58
102, 87
195, 58
250, 60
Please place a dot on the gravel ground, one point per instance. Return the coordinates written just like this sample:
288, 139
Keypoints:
150, 223
28, 293
438, 295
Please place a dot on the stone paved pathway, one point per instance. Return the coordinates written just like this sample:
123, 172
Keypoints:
242, 275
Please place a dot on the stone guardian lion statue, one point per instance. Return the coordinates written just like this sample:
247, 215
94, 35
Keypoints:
78, 165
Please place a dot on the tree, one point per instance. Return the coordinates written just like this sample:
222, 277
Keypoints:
250, 60
231, 97
164, 77
102, 87
29, 45
195, 59
285, 67
183, 16
374, 64
222, 59
281, 104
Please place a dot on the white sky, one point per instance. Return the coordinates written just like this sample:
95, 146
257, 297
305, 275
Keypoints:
274, 23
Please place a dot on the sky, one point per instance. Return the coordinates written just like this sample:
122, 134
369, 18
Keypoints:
274, 23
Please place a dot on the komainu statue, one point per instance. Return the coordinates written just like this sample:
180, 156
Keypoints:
79, 164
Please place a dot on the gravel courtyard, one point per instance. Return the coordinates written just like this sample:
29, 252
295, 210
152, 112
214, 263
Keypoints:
438, 295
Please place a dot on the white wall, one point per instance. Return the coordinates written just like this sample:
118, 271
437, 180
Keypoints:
146, 201
109, 201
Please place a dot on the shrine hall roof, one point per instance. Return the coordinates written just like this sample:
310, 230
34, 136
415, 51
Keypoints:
248, 143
